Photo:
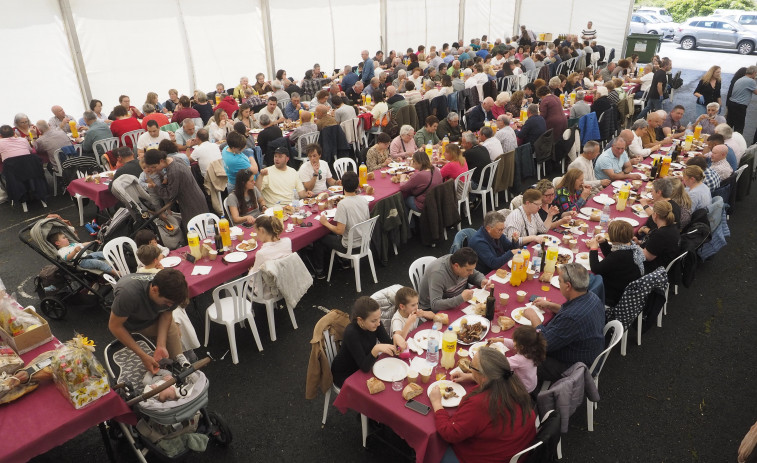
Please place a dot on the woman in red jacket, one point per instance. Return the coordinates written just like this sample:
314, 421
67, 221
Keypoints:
494, 421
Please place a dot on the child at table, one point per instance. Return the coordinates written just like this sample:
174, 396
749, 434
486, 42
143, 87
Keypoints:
364, 339
407, 317
148, 259
146, 236
68, 250
531, 348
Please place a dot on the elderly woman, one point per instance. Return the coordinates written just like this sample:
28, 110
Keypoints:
555, 86
425, 177
662, 189
403, 145
97, 107
494, 421
551, 110
499, 104
399, 82
733, 140
524, 225
219, 126
710, 119
516, 102
378, 156
572, 193
693, 179
662, 245
547, 189
428, 133
23, 127
204, 107
623, 260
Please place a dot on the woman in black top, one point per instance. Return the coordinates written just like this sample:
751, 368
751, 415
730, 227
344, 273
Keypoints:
708, 90
663, 244
363, 340
623, 262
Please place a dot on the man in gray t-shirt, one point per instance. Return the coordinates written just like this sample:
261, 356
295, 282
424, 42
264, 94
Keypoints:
143, 303
445, 281
350, 211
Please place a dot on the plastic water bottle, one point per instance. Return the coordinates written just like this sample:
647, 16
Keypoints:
432, 353
605, 217
295, 199
536, 261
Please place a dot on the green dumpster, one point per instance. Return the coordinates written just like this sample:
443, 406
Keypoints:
644, 45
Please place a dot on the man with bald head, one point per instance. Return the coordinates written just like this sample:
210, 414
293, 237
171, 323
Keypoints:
60, 119
307, 126
478, 114
720, 163
614, 163
353, 93
649, 136
323, 118
51, 139
394, 99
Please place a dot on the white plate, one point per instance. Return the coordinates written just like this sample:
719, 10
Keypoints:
517, 315
336, 189
390, 369
459, 390
618, 183
555, 281
329, 213
240, 249
639, 209
588, 210
235, 257
475, 348
394, 165
603, 199
368, 198
421, 338
479, 296
676, 165
583, 259
403, 169
172, 261
472, 319
633, 222
655, 156
565, 251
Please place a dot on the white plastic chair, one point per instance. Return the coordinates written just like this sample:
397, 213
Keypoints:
417, 269
80, 200
100, 147
133, 136
230, 310
226, 208
365, 230
270, 304
599, 362
462, 186
486, 190
341, 166
329, 347
199, 222
667, 290
517, 456
57, 166
303, 141
516, 202
114, 254
282, 103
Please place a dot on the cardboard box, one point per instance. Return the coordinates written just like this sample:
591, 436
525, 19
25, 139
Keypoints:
548, 37
88, 392
29, 340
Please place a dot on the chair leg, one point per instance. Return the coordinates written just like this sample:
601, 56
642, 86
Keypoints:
590, 414
207, 328
483, 203
467, 210
254, 329
232, 343
331, 265
326, 405
81, 209
623, 343
271, 322
373, 267
356, 267
291, 316
364, 426
559, 449
638, 330
26, 209
396, 252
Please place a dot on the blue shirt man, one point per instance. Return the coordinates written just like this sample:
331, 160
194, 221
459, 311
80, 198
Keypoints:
614, 163
492, 246
367, 68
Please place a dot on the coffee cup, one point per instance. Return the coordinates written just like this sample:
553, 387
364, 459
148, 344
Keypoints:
504, 298
322, 206
566, 239
425, 375
212, 254
597, 230
530, 273
521, 296
412, 376
383, 174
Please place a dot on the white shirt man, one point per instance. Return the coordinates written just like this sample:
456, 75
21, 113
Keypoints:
491, 143
278, 182
584, 163
151, 139
205, 153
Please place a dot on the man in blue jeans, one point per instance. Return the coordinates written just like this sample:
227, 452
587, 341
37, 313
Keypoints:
657, 89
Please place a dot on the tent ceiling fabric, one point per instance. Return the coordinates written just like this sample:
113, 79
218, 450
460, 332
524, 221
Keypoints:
146, 45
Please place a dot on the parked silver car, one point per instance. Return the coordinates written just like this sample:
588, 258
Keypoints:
651, 24
715, 32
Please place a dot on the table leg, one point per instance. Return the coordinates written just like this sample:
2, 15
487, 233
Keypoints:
106, 442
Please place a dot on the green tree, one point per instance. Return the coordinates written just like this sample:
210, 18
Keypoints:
682, 10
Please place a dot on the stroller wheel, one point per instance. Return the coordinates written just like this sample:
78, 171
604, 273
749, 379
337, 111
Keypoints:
219, 431
53, 308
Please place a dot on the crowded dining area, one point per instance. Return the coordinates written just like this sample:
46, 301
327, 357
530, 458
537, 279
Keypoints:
428, 253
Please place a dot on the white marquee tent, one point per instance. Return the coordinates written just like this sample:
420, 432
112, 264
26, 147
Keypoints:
68, 51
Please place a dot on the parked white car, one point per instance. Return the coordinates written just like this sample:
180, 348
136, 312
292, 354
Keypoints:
648, 24
746, 19
661, 12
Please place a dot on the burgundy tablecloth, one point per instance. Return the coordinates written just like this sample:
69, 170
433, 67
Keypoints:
97, 192
44, 419
300, 236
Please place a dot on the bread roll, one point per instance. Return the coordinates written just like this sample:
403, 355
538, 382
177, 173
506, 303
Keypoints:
502, 273
411, 390
480, 309
375, 385
442, 318
464, 364
505, 323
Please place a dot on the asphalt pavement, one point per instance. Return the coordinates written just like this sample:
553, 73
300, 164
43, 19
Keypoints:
683, 395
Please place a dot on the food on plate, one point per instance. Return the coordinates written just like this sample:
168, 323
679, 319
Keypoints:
582, 256
479, 309
501, 273
289, 210
411, 390
310, 201
322, 196
247, 245
464, 365
335, 200
470, 333
462, 352
563, 258
505, 322
375, 385
442, 318
448, 392
335, 189
518, 315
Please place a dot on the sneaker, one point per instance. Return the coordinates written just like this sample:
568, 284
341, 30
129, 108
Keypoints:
320, 275
181, 360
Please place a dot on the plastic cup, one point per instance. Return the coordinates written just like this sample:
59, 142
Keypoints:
425, 375
530, 273
212, 254
383, 174
504, 298
412, 376
521, 296
441, 373
397, 385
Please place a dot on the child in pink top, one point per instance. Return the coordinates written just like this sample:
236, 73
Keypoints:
531, 349
456, 164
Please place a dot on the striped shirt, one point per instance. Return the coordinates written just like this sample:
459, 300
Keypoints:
575, 333
517, 221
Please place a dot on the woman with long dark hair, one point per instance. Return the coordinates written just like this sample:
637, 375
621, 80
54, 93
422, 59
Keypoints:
494, 421
245, 203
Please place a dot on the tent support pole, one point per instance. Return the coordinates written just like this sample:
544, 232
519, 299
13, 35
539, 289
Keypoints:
268, 38
75, 46
383, 25
628, 26
185, 37
516, 18
461, 24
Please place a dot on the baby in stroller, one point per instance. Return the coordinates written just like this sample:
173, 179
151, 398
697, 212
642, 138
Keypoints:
68, 250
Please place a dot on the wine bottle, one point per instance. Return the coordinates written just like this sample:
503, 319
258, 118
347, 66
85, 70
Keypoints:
219, 242
490, 304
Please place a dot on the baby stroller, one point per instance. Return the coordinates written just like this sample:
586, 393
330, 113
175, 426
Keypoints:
140, 211
168, 429
60, 284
